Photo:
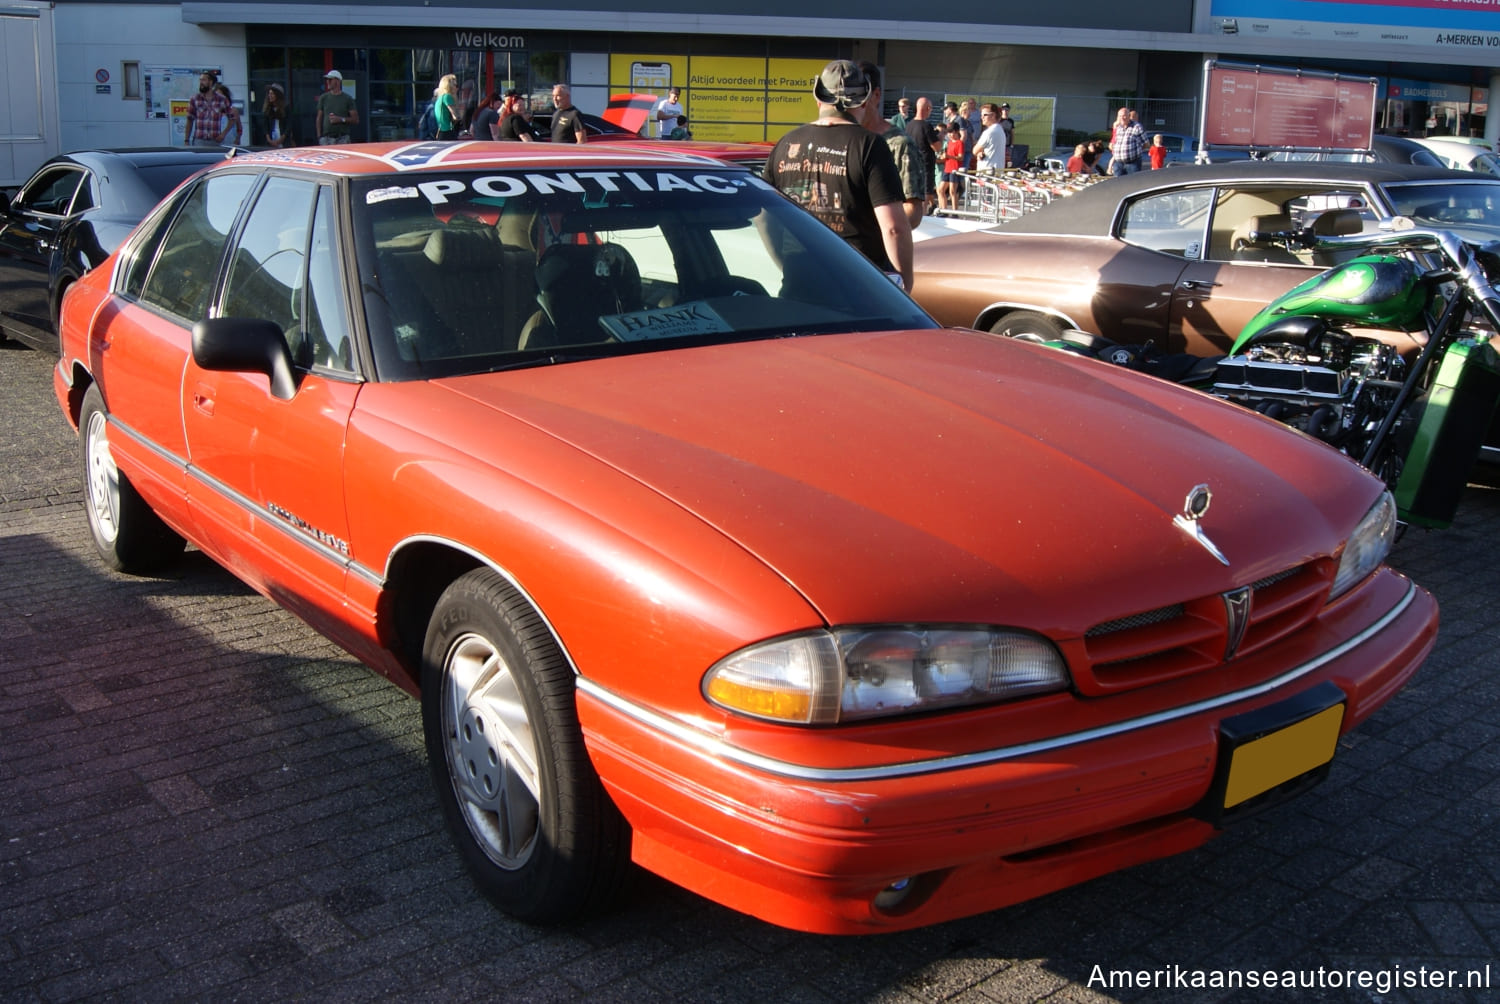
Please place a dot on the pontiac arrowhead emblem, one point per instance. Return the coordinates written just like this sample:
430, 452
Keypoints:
1237, 618
1193, 510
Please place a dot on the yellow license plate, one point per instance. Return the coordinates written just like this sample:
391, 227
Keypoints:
1261, 764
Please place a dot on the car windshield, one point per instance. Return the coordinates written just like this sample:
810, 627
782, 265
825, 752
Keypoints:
1471, 209
478, 271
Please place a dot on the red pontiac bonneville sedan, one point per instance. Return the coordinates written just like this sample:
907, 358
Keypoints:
706, 549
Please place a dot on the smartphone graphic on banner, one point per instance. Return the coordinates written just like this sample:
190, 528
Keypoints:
652, 77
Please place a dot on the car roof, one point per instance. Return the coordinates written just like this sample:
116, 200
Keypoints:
739, 153
1092, 210
1380, 140
146, 156
1451, 146
402, 158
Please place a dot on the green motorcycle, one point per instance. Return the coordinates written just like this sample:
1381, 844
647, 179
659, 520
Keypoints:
1313, 359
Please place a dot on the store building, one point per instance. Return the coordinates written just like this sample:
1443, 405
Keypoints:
120, 73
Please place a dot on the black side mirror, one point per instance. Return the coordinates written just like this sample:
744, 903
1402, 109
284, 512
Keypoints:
245, 345
4, 204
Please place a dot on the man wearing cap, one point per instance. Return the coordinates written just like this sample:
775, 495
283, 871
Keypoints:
336, 111
843, 173
1008, 125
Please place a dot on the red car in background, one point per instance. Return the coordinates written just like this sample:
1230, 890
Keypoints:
706, 549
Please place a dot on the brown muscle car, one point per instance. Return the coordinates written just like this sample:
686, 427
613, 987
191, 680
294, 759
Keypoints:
1170, 257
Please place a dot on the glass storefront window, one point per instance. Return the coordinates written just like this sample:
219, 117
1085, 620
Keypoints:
547, 68
392, 85
390, 64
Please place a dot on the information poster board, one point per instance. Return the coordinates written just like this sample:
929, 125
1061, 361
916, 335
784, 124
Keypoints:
1265, 107
166, 91
726, 98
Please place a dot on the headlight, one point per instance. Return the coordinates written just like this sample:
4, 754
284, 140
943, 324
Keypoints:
1368, 545
855, 673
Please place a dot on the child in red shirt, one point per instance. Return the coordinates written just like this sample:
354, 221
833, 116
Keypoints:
1158, 153
953, 158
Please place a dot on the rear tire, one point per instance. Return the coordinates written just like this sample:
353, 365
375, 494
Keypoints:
1029, 326
128, 535
523, 804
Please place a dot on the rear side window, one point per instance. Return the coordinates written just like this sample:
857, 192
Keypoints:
1306, 209
1172, 222
51, 194
182, 275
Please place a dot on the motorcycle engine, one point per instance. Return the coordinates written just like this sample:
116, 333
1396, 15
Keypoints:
1336, 387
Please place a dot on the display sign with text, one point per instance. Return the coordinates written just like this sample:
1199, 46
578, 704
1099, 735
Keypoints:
1266, 107
1456, 25
726, 98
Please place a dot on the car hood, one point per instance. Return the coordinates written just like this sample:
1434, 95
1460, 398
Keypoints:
629, 111
948, 475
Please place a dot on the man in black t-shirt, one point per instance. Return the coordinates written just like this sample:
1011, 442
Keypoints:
1009, 125
925, 137
567, 123
844, 174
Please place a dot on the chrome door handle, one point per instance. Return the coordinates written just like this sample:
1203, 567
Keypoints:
1198, 284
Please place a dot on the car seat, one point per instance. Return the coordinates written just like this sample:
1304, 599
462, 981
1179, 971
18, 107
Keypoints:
1246, 248
478, 287
577, 284
1336, 222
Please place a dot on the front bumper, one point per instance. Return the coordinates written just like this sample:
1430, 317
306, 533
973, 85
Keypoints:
894, 845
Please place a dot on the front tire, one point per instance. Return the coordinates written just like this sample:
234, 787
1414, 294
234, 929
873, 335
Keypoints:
523, 804
1030, 326
128, 535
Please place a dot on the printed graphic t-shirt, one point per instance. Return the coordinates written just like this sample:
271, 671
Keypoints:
839, 173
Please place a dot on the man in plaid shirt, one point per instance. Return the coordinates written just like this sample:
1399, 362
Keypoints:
206, 113
1127, 145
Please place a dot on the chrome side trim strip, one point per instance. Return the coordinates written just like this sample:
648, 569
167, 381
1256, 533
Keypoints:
718, 748
150, 444
271, 519
317, 547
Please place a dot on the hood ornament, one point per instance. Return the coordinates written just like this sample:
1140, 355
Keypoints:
1193, 510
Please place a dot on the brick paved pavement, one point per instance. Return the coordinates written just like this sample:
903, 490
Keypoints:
201, 798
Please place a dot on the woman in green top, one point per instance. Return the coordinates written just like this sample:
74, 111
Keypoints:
445, 107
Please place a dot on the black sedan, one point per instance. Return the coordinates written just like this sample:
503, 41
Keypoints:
67, 218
